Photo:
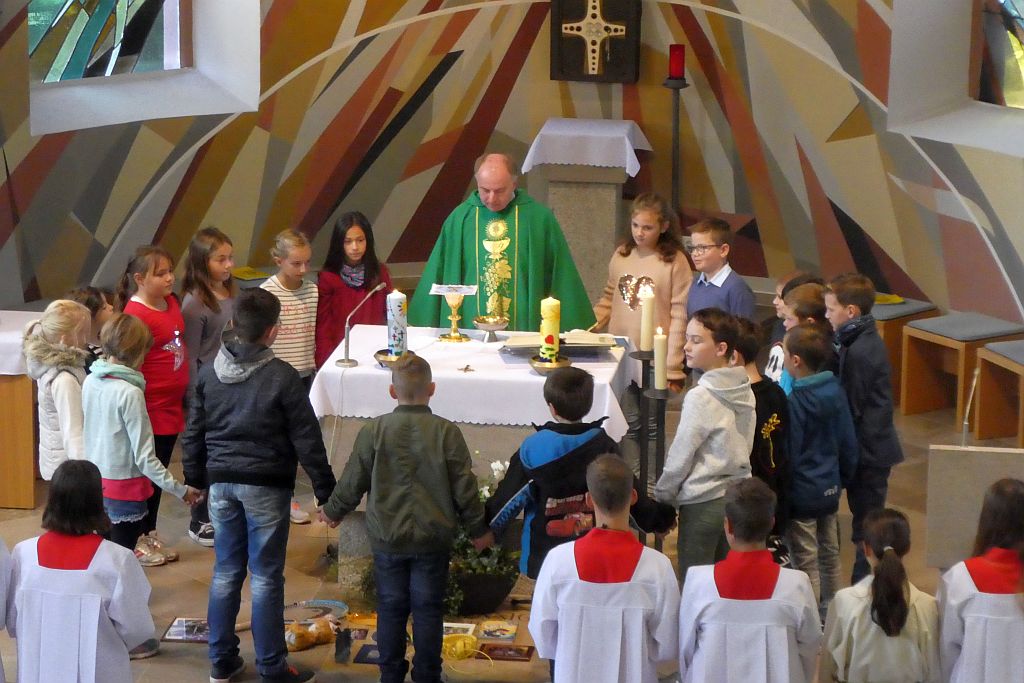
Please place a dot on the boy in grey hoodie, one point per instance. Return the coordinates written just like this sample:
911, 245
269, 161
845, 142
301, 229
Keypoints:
712, 446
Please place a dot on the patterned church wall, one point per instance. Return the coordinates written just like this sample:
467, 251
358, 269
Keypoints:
383, 106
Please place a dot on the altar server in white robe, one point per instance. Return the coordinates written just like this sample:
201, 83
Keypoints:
981, 609
605, 607
77, 603
745, 618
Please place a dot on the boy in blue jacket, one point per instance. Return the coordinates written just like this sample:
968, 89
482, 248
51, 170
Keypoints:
823, 455
547, 476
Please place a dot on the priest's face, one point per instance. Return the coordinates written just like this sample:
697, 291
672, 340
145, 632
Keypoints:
496, 185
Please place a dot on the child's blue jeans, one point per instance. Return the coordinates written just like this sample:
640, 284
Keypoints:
414, 583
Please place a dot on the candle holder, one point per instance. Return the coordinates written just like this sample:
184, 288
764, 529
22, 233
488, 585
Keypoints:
386, 359
454, 301
490, 324
660, 398
543, 366
676, 85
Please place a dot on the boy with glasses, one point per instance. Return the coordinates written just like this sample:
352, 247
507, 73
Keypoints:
716, 285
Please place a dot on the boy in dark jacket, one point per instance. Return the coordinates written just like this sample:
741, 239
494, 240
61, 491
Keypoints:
865, 373
823, 455
249, 423
417, 472
547, 476
768, 459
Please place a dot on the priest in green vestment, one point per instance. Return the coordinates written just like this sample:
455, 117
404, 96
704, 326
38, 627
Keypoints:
512, 248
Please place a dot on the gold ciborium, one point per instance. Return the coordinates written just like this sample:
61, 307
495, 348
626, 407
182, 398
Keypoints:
454, 300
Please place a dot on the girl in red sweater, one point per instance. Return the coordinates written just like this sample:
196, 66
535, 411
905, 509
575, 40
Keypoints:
350, 271
145, 292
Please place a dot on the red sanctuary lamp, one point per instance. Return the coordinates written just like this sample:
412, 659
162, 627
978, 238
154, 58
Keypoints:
677, 62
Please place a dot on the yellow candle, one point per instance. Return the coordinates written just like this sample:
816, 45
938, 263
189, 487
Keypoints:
646, 297
550, 322
660, 360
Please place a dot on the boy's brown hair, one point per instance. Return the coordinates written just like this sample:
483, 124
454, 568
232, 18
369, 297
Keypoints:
854, 289
411, 377
570, 391
722, 326
811, 343
750, 341
127, 339
610, 483
720, 231
750, 507
807, 301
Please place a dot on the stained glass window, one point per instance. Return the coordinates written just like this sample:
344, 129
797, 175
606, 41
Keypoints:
71, 39
1002, 60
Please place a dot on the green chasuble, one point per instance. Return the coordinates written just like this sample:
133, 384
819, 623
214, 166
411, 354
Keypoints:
516, 257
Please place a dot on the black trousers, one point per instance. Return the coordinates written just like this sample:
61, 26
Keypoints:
164, 446
865, 493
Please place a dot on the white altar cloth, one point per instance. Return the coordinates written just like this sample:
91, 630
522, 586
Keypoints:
12, 328
499, 389
588, 142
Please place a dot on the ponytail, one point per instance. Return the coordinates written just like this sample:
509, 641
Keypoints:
887, 533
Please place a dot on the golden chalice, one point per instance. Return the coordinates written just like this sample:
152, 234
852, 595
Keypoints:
454, 300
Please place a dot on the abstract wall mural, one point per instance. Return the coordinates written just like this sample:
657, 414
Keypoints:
383, 106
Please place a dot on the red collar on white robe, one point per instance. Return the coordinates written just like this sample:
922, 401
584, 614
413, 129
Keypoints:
997, 571
750, 575
61, 551
607, 556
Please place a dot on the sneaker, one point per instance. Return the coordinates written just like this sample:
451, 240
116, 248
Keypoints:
148, 649
223, 672
148, 557
297, 514
159, 545
290, 675
201, 533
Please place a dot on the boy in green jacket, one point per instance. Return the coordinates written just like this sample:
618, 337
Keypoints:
416, 469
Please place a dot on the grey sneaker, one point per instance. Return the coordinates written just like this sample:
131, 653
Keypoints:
223, 672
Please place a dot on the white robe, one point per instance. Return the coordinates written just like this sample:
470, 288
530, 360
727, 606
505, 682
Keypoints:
769, 641
605, 632
77, 626
5, 579
981, 634
856, 649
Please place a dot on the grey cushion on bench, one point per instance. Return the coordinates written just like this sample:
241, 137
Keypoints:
967, 327
1014, 350
908, 307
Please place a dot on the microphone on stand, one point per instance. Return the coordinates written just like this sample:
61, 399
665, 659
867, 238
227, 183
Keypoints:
347, 362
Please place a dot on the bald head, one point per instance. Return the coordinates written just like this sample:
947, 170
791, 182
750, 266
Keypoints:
496, 176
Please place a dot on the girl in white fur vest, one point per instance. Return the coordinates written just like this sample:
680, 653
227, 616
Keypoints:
55, 349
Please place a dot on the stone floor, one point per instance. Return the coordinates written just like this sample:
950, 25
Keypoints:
180, 589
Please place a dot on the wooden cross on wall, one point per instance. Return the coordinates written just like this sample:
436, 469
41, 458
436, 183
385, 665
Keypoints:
594, 31
610, 35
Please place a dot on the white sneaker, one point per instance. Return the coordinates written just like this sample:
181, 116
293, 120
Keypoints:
159, 545
297, 514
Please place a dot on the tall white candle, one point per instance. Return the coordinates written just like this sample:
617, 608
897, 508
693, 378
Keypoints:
398, 324
660, 360
646, 297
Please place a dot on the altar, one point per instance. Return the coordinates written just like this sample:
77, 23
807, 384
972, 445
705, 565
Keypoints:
476, 384
17, 423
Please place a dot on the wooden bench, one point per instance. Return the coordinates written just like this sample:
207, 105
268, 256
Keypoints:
939, 355
889, 320
999, 408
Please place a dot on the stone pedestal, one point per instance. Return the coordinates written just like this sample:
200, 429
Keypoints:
587, 201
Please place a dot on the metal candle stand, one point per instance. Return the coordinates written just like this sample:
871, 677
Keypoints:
660, 396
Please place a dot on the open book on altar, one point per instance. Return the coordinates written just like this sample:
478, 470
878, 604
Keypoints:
575, 339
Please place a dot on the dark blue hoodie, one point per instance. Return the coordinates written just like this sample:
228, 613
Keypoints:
822, 445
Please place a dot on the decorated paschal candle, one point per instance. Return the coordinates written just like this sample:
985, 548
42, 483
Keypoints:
550, 320
398, 324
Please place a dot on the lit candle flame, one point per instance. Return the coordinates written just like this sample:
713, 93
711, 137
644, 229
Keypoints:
659, 331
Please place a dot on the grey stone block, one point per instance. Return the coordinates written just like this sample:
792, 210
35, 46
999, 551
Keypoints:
352, 538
